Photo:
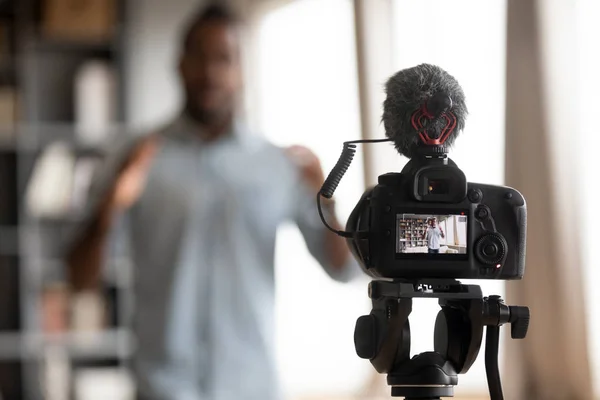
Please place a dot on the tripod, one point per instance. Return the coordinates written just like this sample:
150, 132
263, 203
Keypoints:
383, 336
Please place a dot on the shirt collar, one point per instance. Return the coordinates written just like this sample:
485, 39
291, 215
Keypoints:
186, 129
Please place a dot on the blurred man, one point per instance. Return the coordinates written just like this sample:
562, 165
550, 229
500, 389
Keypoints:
202, 200
433, 235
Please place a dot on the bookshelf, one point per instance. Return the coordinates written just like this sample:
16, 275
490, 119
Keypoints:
38, 108
410, 233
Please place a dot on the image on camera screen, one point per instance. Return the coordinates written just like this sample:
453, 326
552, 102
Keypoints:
431, 234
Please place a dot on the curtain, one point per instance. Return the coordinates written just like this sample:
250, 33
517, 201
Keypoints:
541, 162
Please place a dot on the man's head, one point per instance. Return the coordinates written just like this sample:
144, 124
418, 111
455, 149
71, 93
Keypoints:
210, 65
433, 222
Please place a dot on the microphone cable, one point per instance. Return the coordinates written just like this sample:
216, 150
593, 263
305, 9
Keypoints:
336, 175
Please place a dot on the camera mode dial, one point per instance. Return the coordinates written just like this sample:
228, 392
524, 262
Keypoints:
491, 248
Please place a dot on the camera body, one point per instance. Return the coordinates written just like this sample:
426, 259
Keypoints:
428, 222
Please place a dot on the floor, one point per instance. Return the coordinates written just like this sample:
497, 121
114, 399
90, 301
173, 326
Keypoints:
381, 398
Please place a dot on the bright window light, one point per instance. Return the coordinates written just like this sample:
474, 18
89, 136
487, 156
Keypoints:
308, 95
589, 87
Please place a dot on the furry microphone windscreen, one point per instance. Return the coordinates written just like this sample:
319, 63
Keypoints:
413, 88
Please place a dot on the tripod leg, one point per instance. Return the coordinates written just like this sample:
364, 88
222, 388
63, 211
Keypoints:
492, 339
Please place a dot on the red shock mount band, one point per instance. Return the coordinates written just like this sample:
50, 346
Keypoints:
417, 123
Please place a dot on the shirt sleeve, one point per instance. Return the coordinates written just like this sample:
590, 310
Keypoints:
313, 230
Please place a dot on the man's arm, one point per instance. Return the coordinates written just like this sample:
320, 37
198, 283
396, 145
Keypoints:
336, 247
85, 257
335, 252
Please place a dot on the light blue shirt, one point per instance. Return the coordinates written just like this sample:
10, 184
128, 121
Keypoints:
202, 241
434, 238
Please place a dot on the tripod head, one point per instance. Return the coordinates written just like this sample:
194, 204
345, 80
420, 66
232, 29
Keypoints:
383, 336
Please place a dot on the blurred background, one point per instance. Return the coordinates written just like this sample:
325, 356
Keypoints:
76, 75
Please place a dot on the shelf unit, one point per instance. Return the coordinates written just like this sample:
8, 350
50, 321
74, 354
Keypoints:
11, 370
91, 346
41, 71
410, 233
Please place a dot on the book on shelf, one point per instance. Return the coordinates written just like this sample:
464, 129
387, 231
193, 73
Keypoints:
8, 111
59, 183
90, 20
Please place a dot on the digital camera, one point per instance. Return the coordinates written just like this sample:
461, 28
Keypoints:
429, 222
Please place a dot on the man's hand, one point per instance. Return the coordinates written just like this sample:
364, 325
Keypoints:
54, 310
312, 173
131, 181
309, 165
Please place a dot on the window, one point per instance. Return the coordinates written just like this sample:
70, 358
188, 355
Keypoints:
589, 87
308, 95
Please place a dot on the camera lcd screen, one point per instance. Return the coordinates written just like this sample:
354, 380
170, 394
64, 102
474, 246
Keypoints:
431, 234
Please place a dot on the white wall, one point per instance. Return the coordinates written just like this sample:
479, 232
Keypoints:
152, 86
449, 230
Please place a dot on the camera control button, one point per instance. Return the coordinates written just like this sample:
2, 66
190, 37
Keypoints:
482, 212
491, 250
475, 195
365, 337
